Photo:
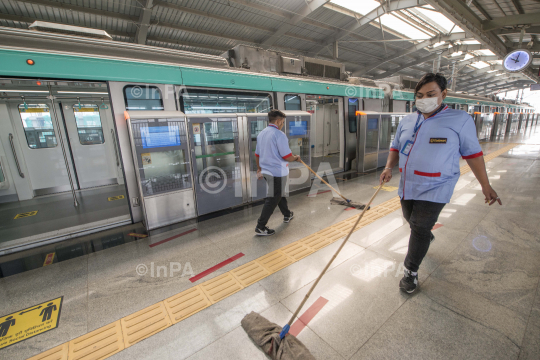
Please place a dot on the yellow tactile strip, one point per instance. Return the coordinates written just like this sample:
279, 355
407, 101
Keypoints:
57, 353
98, 344
106, 341
250, 273
145, 323
186, 303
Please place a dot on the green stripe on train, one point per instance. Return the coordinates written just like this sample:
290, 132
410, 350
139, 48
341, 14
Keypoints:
85, 68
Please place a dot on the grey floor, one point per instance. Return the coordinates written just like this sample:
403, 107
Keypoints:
478, 297
57, 212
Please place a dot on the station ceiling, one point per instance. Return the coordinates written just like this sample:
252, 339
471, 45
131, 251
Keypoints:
363, 38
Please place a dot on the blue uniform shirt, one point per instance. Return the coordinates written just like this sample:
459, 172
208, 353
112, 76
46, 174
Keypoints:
431, 170
272, 150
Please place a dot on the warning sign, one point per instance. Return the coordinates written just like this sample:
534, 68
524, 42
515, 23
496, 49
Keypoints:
196, 129
29, 322
146, 159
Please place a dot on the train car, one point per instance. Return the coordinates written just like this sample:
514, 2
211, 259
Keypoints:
78, 115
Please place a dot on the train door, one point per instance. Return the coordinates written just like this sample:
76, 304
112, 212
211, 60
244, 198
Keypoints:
37, 131
215, 155
353, 105
255, 124
388, 127
327, 132
92, 142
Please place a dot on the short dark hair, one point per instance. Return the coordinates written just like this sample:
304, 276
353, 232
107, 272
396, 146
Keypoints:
273, 115
431, 77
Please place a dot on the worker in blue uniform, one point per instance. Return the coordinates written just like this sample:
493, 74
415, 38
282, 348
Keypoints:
428, 145
273, 155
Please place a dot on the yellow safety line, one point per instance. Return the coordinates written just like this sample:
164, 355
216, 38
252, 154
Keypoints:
120, 334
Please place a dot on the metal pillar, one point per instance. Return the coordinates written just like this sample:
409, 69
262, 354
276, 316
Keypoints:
335, 50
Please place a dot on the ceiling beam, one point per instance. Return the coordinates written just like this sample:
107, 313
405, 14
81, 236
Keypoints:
515, 45
413, 49
306, 10
458, 12
511, 20
206, 14
372, 15
426, 19
532, 30
518, 7
70, 7
490, 82
187, 43
481, 9
144, 23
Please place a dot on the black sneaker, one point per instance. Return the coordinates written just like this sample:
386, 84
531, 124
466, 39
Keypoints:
409, 282
286, 219
264, 232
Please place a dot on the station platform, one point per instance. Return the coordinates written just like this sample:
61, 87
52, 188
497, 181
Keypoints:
182, 294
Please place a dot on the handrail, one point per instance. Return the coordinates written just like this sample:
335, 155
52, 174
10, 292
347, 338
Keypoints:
115, 148
21, 174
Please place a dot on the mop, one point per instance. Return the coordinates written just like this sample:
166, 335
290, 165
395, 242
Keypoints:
336, 200
275, 340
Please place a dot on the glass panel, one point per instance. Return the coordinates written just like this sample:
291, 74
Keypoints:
353, 107
2, 177
162, 155
38, 126
215, 101
293, 102
215, 146
372, 135
142, 98
88, 124
256, 127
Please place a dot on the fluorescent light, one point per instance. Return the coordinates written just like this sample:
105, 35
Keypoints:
438, 18
470, 42
486, 52
23, 91
82, 92
479, 65
402, 27
362, 7
457, 53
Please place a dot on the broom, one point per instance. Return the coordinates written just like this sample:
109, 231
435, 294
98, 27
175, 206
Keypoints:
335, 200
271, 338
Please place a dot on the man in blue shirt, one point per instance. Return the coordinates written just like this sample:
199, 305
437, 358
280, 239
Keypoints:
273, 156
427, 146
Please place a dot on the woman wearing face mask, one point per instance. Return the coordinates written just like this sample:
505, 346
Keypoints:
428, 145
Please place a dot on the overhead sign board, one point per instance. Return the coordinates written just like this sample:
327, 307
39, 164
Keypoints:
535, 87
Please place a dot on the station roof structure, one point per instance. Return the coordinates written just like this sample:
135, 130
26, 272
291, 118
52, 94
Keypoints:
374, 39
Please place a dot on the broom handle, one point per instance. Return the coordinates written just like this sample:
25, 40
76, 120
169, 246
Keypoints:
334, 257
320, 178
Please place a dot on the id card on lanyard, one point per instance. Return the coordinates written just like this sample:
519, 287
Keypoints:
409, 143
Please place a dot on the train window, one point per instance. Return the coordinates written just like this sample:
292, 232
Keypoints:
293, 102
142, 98
201, 101
353, 107
88, 124
38, 126
408, 106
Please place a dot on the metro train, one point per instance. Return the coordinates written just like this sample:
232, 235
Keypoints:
69, 123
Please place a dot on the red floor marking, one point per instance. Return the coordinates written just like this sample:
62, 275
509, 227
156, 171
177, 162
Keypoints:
172, 237
306, 317
437, 226
214, 268
350, 208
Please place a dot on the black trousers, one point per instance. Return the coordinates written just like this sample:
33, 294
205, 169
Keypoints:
421, 216
274, 197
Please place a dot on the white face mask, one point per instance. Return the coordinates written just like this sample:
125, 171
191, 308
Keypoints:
427, 105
